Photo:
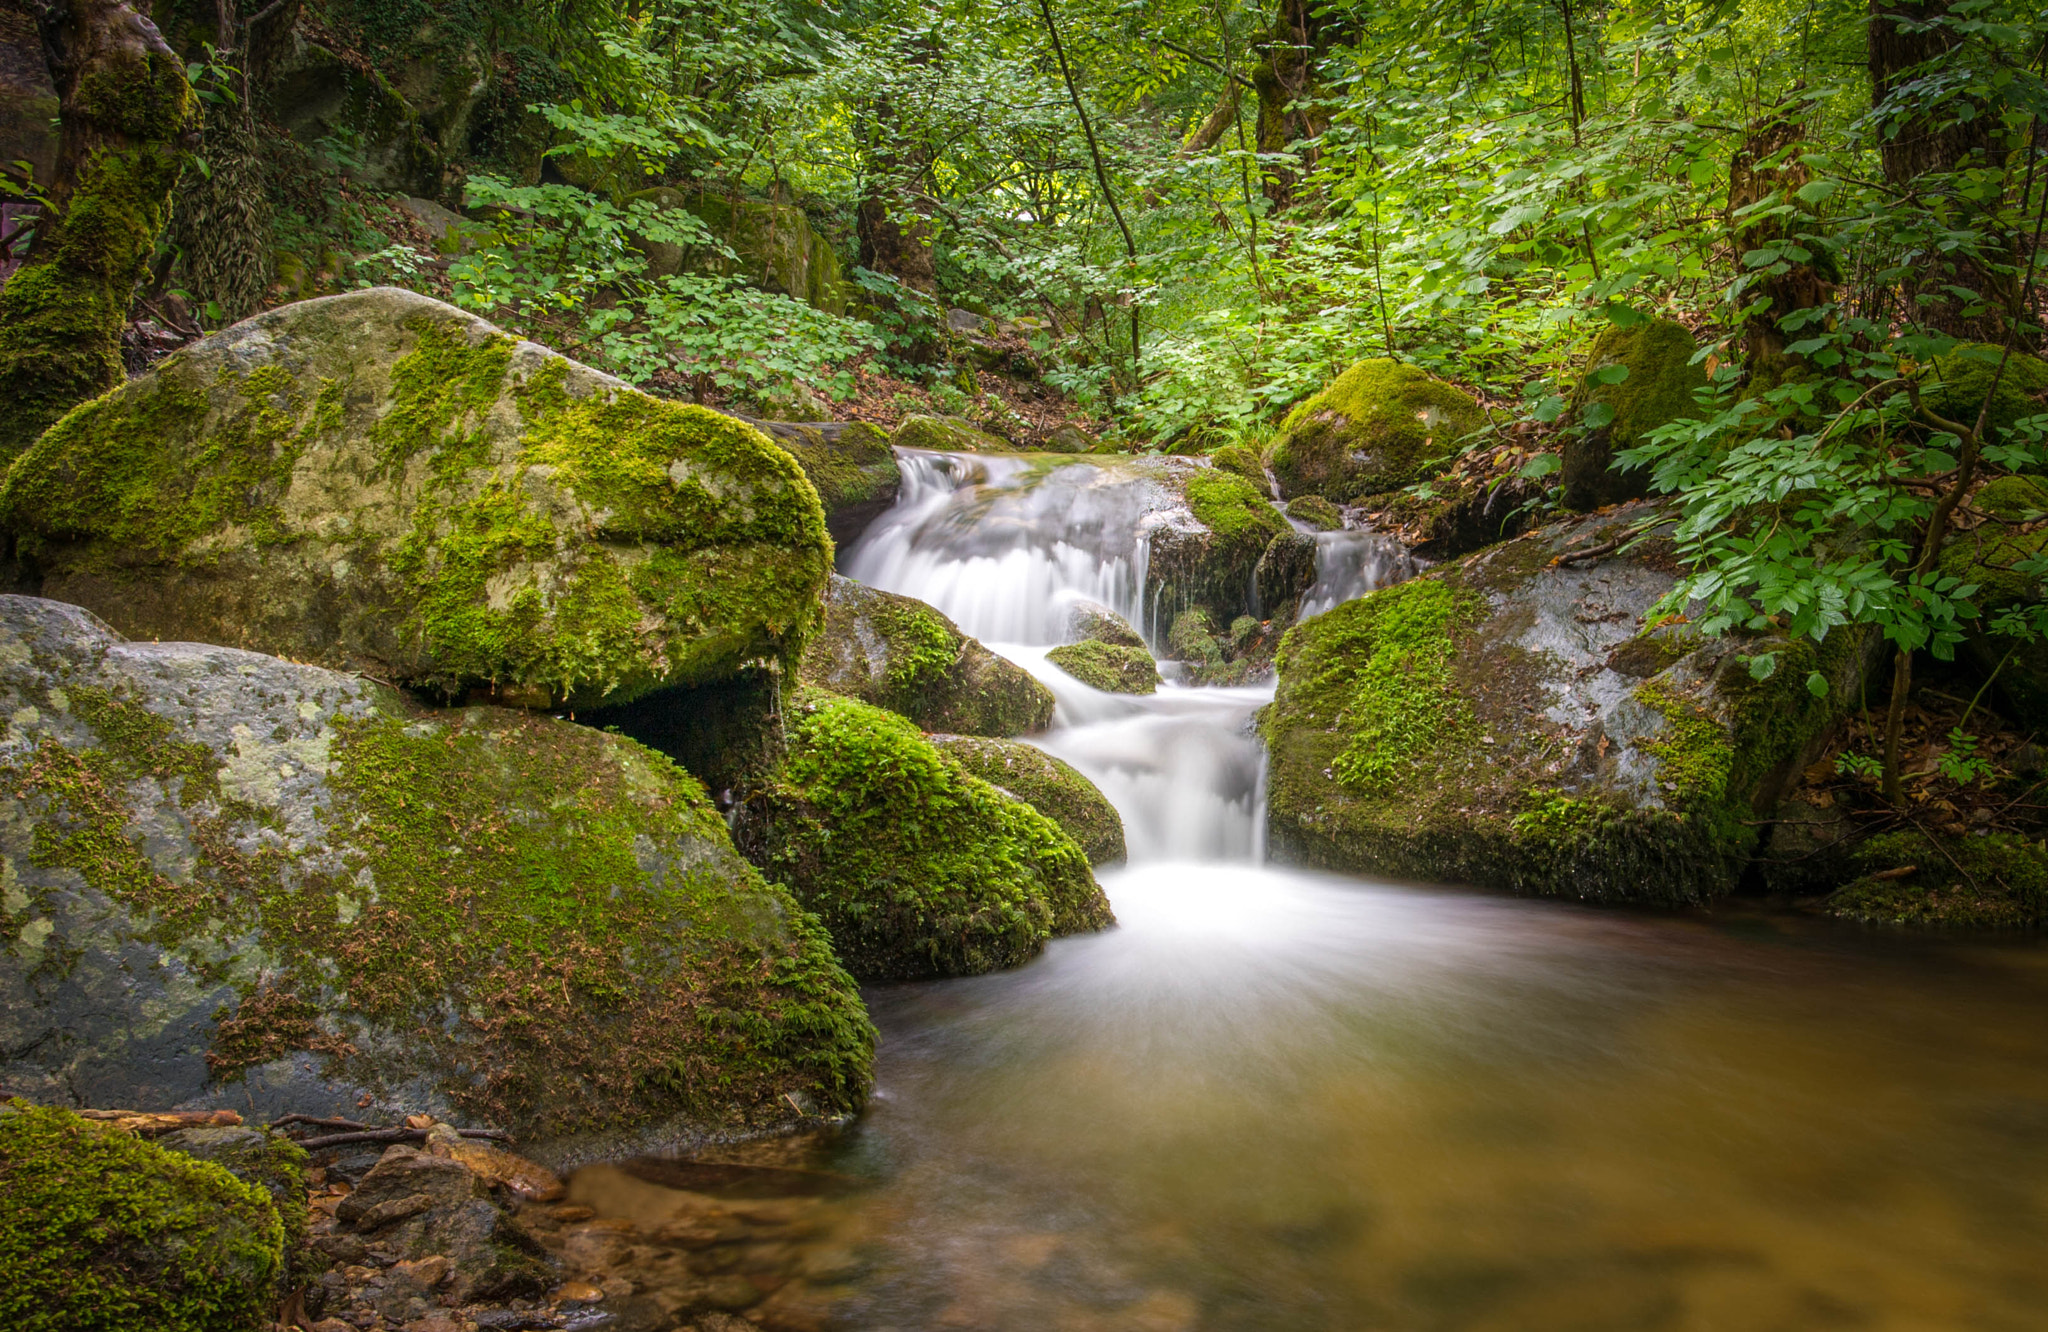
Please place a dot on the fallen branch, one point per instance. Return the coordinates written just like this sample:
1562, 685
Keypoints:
394, 1135
149, 1123
1589, 553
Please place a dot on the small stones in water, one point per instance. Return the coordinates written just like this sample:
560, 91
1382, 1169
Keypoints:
579, 1292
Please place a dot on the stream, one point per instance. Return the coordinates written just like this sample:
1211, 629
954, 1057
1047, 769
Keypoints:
1274, 1099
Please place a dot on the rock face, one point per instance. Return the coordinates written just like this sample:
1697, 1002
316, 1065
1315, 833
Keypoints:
898, 653
1110, 667
380, 482
1048, 785
1655, 387
916, 867
1379, 426
231, 880
102, 1230
849, 463
1510, 722
1212, 562
774, 247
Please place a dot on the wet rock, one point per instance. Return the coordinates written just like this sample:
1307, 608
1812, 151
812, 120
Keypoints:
247, 866
1207, 555
1107, 666
1379, 426
94, 1221
946, 434
473, 512
916, 867
898, 653
1656, 383
1316, 511
1093, 620
1286, 569
448, 1232
1489, 722
850, 464
1048, 785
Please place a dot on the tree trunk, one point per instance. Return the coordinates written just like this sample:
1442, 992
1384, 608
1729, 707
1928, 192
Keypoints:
1804, 284
1285, 82
129, 122
1926, 135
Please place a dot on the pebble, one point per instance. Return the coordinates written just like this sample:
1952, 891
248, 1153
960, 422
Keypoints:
579, 1292
572, 1212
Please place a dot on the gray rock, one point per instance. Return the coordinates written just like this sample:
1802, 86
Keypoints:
383, 483
228, 880
1092, 619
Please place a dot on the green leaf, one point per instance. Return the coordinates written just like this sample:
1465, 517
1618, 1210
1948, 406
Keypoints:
1597, 414
1541, 465
1813, 191
1763, 666
1816, 684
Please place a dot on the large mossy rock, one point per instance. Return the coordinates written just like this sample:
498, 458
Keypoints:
898, 653
1051, 786
1509, 721
1379, 426
231, 880
851, 466
1111, 667
380, 482
917, 867
1965, 376
773, 246
103, 1232
1997, 557
1656, 389
1207, 554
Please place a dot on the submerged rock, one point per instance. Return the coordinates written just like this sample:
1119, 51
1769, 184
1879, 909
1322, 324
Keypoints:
1509, 721
917, 867
1658, 379
1379, 426
898, 653
231, 880
1049, 785
102, 1230
380, 482
1110, 667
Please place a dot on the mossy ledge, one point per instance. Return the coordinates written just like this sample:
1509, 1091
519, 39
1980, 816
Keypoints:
380, 482
917, 867
513, 919
104, 1232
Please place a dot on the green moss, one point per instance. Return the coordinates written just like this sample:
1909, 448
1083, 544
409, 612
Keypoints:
61, 314
1316, 511
1106, 666
2015, 499
1379, 426
1237, 511
1965, 377
917, 868
941, 434
1996, 881
1192, 639
1240, 461
1694, 754
856, 468
1048, 785
102, 1232
505, 867
1660, 383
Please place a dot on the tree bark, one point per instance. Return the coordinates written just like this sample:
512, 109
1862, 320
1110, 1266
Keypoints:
1285, 81
1804, 284
129, 121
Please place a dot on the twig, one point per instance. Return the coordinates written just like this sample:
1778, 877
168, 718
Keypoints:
317, 1122
1589, 553
394, 1135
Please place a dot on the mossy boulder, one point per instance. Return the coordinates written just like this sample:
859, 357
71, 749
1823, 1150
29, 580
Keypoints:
1998, 558
265, 1158
1379, 426
1637, 378
946, 434
1239, 461
1049, 785
232, 880
1507, 720
917, 867
775, 248
898, 653
103, 1232
1996, 881
1206, 553
382, 483
1110, 667
849, 463
1965, 376
1455, 515
1092, 619
1316, 512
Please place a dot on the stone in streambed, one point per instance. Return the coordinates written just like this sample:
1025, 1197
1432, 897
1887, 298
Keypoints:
1048, 785
898, 653
274, 886
383, 483
1107, 666
1092, 619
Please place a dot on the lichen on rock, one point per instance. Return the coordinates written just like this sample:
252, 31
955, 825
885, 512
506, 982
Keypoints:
1049, 785
383, 483
1378, 426
917, 867
235, 880
104, 1232
898, 653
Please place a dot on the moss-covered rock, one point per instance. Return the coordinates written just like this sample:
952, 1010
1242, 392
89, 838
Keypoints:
380, 482
1455, 515
898, 653
1286, 570
1316, 512
103, 1232
1239, 461
231, 880
1965, 376
917, 867
1490, 722
1068, 438
1050, 786
1656, 390
265, 1158
851, 466
1379, 426
1110, 667
1997, 881
1092, 619
775, 247
1996, 557
1207, 556
946, 434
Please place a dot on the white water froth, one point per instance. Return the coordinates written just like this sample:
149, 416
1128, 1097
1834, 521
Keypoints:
1352, 562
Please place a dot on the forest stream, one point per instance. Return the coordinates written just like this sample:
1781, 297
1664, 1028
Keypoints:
1274, 1099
